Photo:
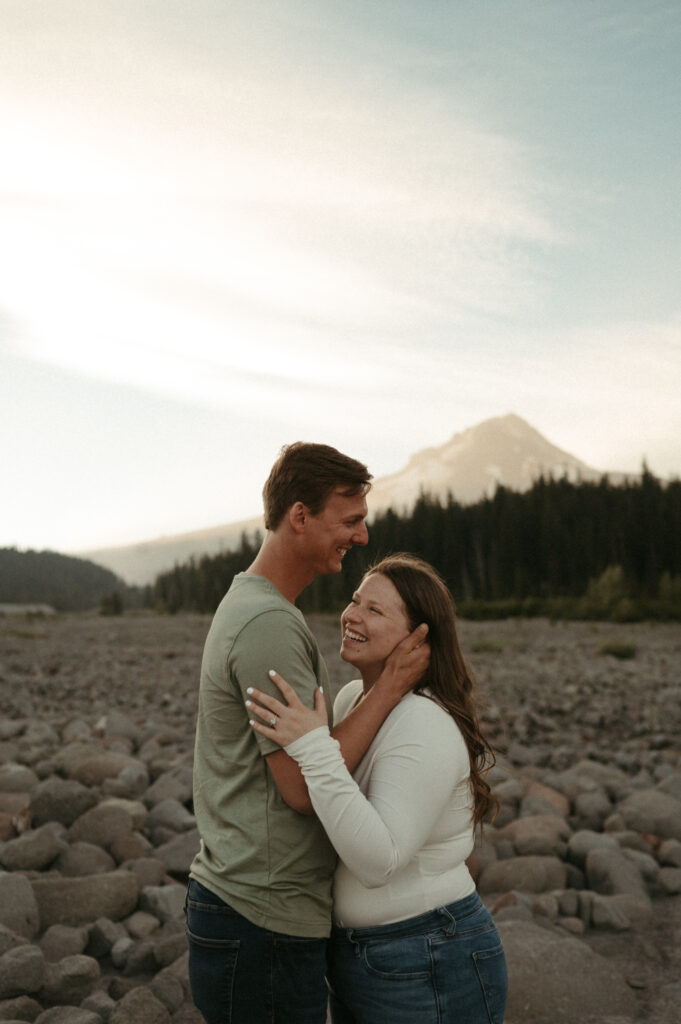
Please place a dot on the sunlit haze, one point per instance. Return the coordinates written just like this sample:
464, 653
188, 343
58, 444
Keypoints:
228, 226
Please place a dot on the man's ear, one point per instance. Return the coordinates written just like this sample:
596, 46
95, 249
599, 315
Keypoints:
297, 514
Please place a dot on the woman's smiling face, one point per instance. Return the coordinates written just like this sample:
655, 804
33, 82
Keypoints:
373, 624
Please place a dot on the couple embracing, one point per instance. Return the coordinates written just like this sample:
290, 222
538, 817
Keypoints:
334, 840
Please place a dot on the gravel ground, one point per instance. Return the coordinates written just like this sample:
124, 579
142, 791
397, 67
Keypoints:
551, 693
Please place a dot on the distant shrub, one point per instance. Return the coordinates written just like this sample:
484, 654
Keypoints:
111, 604
618, 649
484, 611
486, 647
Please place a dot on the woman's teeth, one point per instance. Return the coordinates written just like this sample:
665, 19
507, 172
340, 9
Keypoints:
355, 636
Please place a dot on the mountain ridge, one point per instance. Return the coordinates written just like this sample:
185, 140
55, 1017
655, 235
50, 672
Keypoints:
500, 451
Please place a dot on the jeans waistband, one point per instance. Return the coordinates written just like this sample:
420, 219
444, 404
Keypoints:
440, 917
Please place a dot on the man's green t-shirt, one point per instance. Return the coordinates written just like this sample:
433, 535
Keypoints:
270, 863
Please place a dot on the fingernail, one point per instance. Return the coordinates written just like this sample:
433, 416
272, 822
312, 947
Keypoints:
249, 689
248, 703
251, 722
271, 672
321, 689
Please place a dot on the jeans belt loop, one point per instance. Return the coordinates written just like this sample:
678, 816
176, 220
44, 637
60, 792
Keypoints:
450, 921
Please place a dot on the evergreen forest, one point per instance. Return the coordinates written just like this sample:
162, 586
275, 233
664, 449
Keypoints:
586, 550
61, 581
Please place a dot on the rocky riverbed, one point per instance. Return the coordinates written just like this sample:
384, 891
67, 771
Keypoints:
582, 867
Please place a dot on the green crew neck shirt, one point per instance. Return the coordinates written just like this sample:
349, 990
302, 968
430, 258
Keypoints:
273, 865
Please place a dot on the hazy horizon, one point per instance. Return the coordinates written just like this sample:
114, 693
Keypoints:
229, 227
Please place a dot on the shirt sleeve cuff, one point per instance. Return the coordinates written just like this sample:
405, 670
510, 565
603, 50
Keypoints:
307, 744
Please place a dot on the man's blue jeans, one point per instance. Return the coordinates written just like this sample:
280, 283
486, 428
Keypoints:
443, 967
243, 974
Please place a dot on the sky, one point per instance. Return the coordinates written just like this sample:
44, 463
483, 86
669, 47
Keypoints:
226, 226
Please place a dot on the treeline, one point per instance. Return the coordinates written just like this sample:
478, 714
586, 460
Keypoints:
570, 550
67, 584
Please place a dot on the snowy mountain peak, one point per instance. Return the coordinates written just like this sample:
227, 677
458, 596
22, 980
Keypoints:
502, 451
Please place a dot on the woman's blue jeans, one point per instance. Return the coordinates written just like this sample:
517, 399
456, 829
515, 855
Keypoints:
243, 974
443, 967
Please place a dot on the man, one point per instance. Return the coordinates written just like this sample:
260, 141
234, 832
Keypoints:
259, 898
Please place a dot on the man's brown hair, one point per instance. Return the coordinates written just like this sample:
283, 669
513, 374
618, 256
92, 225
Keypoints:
310, 473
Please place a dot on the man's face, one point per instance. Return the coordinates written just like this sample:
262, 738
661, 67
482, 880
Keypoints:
338, 526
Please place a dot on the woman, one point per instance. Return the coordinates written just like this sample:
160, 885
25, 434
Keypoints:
412, 941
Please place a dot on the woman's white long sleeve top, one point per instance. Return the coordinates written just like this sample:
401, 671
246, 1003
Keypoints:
402, 826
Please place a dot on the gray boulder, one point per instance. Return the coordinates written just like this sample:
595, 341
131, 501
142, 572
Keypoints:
591, 809
619, 913
40, 734
670, 880
76, 729
21, 1008
559, 960
586, 840
134, 846
149, 870
178, 853
18, 906
537, 834
131, 781
171, 814
644, 862
669, 853
137, 809
526, 874
671, 785
141, 924
168, 990
68, 1015
104, 934
80, 859
141, 959
96, 768
140, 1004
101, 825
70, 980
32, 851
99, 1002
165, 902
22, 971
170, 947
63, 800
610, 872
174, 784
536, 805
81, 900
10, 940
120, 952
614, 781
117, 724
652, 811
17, 778
62, 940
508, 791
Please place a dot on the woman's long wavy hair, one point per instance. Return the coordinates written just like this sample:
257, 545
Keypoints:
427, 599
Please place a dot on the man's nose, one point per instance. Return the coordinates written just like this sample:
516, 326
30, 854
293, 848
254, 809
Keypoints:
361, 535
